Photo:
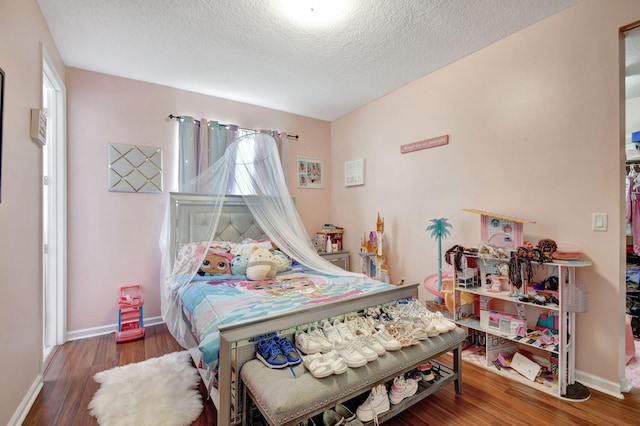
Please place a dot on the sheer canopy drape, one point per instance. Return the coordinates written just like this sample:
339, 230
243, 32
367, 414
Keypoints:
251, 165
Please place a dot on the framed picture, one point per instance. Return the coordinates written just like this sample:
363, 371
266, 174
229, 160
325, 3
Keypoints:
310, 173
354, 172
1, 121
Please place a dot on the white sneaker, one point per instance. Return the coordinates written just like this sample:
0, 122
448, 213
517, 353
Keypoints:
447, 323
330, 332
402, 388
371, 342
385, 339
319, 337
305, 344
376, 404
345, 349
343, 329
361, 346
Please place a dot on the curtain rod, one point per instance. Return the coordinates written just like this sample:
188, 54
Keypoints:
178, 117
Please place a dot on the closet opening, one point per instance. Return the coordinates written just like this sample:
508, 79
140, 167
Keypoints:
631, 131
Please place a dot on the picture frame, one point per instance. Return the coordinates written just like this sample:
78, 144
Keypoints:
2, 76
354, 172
310, 173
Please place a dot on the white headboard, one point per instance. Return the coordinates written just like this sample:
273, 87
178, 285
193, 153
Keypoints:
190, 216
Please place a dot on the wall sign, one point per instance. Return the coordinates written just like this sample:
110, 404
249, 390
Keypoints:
354, 172
425, 144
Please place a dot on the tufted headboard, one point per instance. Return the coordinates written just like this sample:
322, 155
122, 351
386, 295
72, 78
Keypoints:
190, 215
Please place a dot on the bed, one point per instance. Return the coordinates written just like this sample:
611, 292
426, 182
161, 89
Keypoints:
219, 315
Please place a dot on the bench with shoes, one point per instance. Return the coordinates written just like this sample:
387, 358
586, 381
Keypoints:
288, 399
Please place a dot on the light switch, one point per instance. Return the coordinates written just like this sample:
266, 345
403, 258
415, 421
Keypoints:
599, 222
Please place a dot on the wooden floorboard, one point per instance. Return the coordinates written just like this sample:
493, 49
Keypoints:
487, 399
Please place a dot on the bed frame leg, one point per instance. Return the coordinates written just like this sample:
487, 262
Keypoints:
457, 367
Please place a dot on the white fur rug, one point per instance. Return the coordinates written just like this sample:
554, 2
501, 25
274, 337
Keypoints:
158, 391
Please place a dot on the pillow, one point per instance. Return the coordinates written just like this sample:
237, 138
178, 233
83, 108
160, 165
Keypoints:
189, 254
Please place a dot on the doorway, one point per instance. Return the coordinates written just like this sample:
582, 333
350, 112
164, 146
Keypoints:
631, 37
54, 212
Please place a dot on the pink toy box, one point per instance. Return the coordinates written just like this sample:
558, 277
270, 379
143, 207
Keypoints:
506, 323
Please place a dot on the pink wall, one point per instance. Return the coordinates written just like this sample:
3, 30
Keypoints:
114, 236
535, 131
534, 125
22, 29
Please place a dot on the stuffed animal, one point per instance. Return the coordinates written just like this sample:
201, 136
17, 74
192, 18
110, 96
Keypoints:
283, 263
215, 262
239, 264
262, 264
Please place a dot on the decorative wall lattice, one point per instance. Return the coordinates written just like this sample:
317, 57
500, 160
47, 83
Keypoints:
134, 168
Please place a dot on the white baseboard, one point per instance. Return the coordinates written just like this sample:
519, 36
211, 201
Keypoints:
105, 329
599, 384
25, 405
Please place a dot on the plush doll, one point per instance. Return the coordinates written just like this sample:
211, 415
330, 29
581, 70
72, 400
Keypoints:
215, 262
261, 265
239, 264
283, 263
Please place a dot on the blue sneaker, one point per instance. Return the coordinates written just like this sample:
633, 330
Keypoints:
289, 351
270, 353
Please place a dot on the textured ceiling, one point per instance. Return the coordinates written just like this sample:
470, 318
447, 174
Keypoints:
258, 52
632, 64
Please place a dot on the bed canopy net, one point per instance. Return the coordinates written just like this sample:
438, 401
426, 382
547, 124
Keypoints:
250, 168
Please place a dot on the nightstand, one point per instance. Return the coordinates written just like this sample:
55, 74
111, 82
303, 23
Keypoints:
338, 258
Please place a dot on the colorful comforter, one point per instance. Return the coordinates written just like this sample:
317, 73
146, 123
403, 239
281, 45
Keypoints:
209, 302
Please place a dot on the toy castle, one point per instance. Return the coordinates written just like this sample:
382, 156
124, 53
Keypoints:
373, 260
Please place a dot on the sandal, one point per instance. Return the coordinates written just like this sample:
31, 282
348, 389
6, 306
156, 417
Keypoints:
318, 366
400, 333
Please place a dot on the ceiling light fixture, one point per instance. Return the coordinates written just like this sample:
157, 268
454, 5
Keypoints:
314, 12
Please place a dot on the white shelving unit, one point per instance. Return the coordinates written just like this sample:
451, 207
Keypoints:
473, 302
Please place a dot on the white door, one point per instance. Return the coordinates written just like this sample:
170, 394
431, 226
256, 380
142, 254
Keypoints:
54, 215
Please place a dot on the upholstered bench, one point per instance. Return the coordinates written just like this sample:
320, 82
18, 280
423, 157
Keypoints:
285, 400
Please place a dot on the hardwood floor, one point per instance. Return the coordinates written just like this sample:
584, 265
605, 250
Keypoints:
487, 399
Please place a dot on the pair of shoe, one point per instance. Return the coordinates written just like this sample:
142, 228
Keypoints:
426, 370
305, 343
377, 403
404, 333
277, 352
353, 349
402, 388
340, 415
323, 365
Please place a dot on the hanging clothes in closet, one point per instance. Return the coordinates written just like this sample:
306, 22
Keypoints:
633, 205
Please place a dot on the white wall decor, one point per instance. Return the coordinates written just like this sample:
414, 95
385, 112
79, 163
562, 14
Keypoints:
134, 168
354, 172
310, 173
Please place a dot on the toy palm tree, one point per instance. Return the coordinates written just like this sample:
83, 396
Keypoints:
439, 230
